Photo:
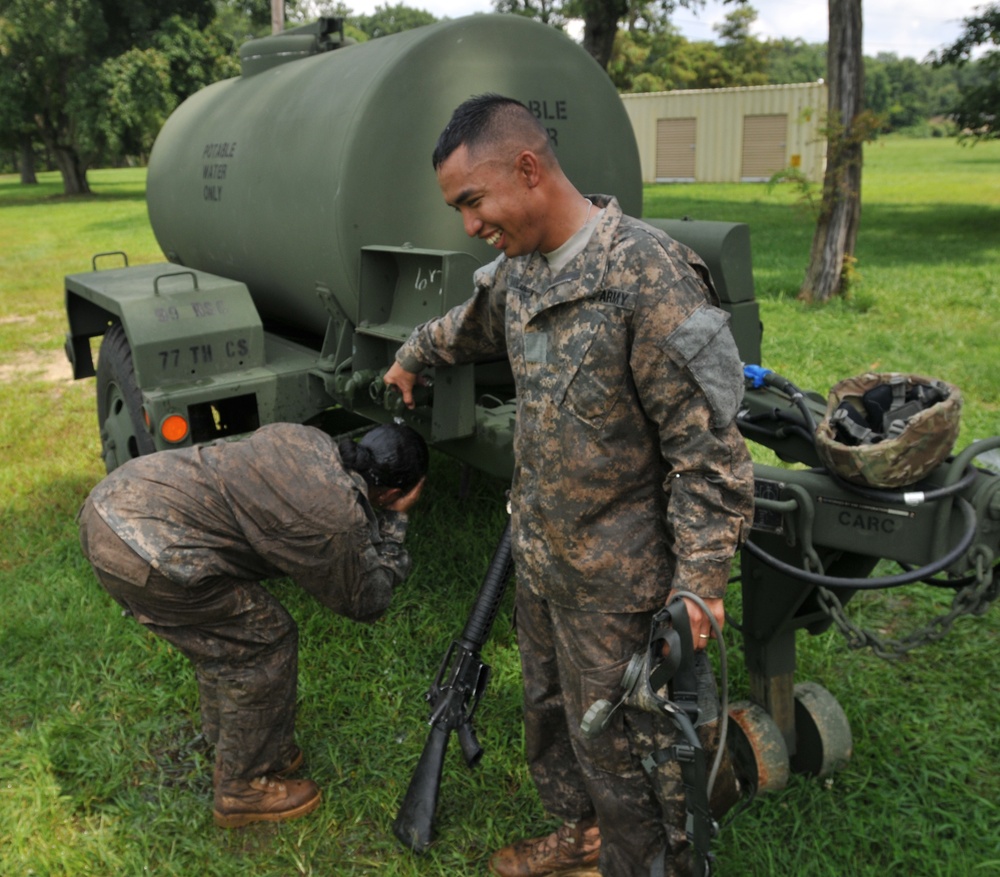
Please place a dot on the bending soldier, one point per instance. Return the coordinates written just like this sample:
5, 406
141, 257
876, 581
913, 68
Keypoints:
182, 540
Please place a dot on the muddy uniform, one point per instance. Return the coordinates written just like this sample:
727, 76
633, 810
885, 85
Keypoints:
631, 478
183, 538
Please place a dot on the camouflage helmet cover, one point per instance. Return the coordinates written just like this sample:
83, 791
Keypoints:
908, 449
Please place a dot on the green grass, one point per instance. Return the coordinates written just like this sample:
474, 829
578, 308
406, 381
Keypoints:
100, 773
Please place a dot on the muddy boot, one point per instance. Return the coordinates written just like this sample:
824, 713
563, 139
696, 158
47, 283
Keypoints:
573, 848
264, 799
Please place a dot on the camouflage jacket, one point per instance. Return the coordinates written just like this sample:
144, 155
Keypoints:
277, 503
631, 476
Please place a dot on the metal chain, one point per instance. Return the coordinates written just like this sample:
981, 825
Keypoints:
972, 599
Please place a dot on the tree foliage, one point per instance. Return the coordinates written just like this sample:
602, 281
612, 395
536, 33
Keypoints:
898, 90
977, 110
132, 94
550, 12
656, 58
795, 61
745, 56
17, 107
904, 94
387, 20
93, 78
237, 21
601, 18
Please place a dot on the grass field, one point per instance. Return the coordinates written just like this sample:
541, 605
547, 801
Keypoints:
100, 768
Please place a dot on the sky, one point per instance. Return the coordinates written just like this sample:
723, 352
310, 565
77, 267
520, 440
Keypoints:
907, 28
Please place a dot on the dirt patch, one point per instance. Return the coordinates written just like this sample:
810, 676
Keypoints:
31, 318
45, 365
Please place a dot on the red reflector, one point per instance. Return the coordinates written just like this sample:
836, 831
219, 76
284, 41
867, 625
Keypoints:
174, 428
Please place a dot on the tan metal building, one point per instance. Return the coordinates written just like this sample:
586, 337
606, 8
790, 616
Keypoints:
730, 135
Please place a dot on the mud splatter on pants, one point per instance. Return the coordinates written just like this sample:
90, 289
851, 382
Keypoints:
241, 640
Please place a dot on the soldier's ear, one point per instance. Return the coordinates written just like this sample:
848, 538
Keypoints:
528, 168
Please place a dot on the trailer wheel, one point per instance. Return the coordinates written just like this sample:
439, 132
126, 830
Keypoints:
758, 748
823, 742
119, 402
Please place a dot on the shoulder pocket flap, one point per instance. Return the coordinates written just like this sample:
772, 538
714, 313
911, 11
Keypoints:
705, 346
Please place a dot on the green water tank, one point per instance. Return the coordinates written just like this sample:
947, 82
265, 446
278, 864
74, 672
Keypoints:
279, 177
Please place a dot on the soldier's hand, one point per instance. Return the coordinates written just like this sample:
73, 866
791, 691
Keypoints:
402, 380
701, 627
409, 500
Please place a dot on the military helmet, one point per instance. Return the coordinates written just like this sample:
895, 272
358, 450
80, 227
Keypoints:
888, 430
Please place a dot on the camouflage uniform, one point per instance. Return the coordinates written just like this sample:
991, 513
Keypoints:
182, 539
631, 478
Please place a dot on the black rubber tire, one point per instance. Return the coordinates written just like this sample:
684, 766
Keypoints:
119, 403
824, 741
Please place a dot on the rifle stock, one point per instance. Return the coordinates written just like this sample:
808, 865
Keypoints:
453, 697
414, 823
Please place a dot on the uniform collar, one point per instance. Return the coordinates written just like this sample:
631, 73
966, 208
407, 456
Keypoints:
582, 275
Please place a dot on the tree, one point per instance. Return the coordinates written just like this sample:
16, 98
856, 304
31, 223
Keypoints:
387, 20
546, 11
132, 94
16, 108
600, 24
978, 109
795, 61
653, 56
59, 51
600, 17
650, 55
848, 127
237, 21
898, 90
745, 55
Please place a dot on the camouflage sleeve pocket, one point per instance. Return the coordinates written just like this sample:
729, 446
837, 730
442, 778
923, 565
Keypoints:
704, 345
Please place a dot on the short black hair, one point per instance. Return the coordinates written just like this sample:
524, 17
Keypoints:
490, 119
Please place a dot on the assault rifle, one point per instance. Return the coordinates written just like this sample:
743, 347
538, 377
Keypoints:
460, 683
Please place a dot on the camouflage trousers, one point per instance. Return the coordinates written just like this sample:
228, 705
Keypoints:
241, 641
569, 660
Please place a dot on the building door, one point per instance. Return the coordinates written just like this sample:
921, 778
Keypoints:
764, 146
675, 149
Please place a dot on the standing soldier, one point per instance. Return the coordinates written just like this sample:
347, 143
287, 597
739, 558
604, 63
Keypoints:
631, 478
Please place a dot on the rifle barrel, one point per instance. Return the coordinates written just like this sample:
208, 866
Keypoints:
484, 612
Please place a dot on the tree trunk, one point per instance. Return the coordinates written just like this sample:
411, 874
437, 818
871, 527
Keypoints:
600, 25
67, 159
73, 172
840, 210
27, 162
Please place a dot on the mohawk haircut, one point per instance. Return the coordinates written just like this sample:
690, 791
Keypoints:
491, 120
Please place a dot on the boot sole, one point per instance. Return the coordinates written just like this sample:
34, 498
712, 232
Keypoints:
237, 820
